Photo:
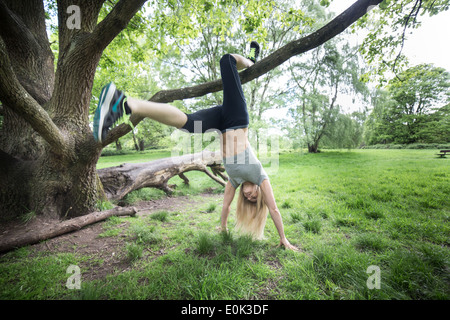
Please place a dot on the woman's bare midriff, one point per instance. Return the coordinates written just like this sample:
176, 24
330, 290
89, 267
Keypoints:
234, 142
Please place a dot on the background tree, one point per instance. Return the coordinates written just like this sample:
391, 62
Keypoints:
406, 114
346, 132
199, 57
319, 80
437, 127
388, 28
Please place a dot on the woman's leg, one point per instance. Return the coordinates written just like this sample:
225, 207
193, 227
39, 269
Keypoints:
166, 113
161, 112
114, 105
241, 62
212, 118
234, 112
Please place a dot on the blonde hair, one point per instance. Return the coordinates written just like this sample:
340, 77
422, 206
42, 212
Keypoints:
251, 216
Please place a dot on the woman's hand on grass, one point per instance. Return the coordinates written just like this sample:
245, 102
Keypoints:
221, 229
284, 242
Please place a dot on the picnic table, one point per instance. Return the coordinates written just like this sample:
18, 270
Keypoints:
443, 153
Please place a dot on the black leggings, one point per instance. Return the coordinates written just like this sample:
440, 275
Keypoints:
232, 114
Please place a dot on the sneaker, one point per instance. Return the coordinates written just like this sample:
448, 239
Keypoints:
254, 51
111, 108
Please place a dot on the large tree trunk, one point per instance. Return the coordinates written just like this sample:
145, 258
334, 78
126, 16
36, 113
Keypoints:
313, 147
48, 154
47, 151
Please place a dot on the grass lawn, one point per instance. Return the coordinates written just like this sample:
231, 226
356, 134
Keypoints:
349, 212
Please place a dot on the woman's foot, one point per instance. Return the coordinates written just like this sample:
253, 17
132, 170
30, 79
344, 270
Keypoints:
111, 108
254, 51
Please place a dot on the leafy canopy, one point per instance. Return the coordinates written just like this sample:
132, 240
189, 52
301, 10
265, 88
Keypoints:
388, 28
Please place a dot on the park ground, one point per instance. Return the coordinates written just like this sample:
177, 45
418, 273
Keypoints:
370, 224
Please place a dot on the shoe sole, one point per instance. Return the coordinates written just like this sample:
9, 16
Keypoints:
255, 45
105, 105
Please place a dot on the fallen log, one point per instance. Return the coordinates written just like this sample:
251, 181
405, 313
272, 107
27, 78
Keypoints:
32, 235
120, 180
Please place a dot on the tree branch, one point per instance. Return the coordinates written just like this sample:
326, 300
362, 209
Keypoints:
13, 30
15, 97
22, 28
34, 235
414, 12
329, 31
81, 49
89, 16
114, 23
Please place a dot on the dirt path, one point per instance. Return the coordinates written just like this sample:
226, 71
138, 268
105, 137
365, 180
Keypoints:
86, 241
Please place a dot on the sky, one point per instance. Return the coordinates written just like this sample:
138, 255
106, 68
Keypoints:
428, 44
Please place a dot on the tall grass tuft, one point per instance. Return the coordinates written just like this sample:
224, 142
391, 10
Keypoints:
205, 244
160, 216
211, 207
134, 252
313, 225
369, 241
145, 234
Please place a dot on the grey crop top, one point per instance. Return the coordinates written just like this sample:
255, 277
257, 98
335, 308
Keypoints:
244, 167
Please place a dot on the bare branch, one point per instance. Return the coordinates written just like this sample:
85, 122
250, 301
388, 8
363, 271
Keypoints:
414, 12
121, 180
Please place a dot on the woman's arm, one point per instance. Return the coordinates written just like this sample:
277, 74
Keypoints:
275, 213
227, 199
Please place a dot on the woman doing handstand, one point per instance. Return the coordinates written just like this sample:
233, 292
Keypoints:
231, 118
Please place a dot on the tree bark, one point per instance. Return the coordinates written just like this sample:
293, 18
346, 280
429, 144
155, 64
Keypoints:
121, 180
33, 236
46, 111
